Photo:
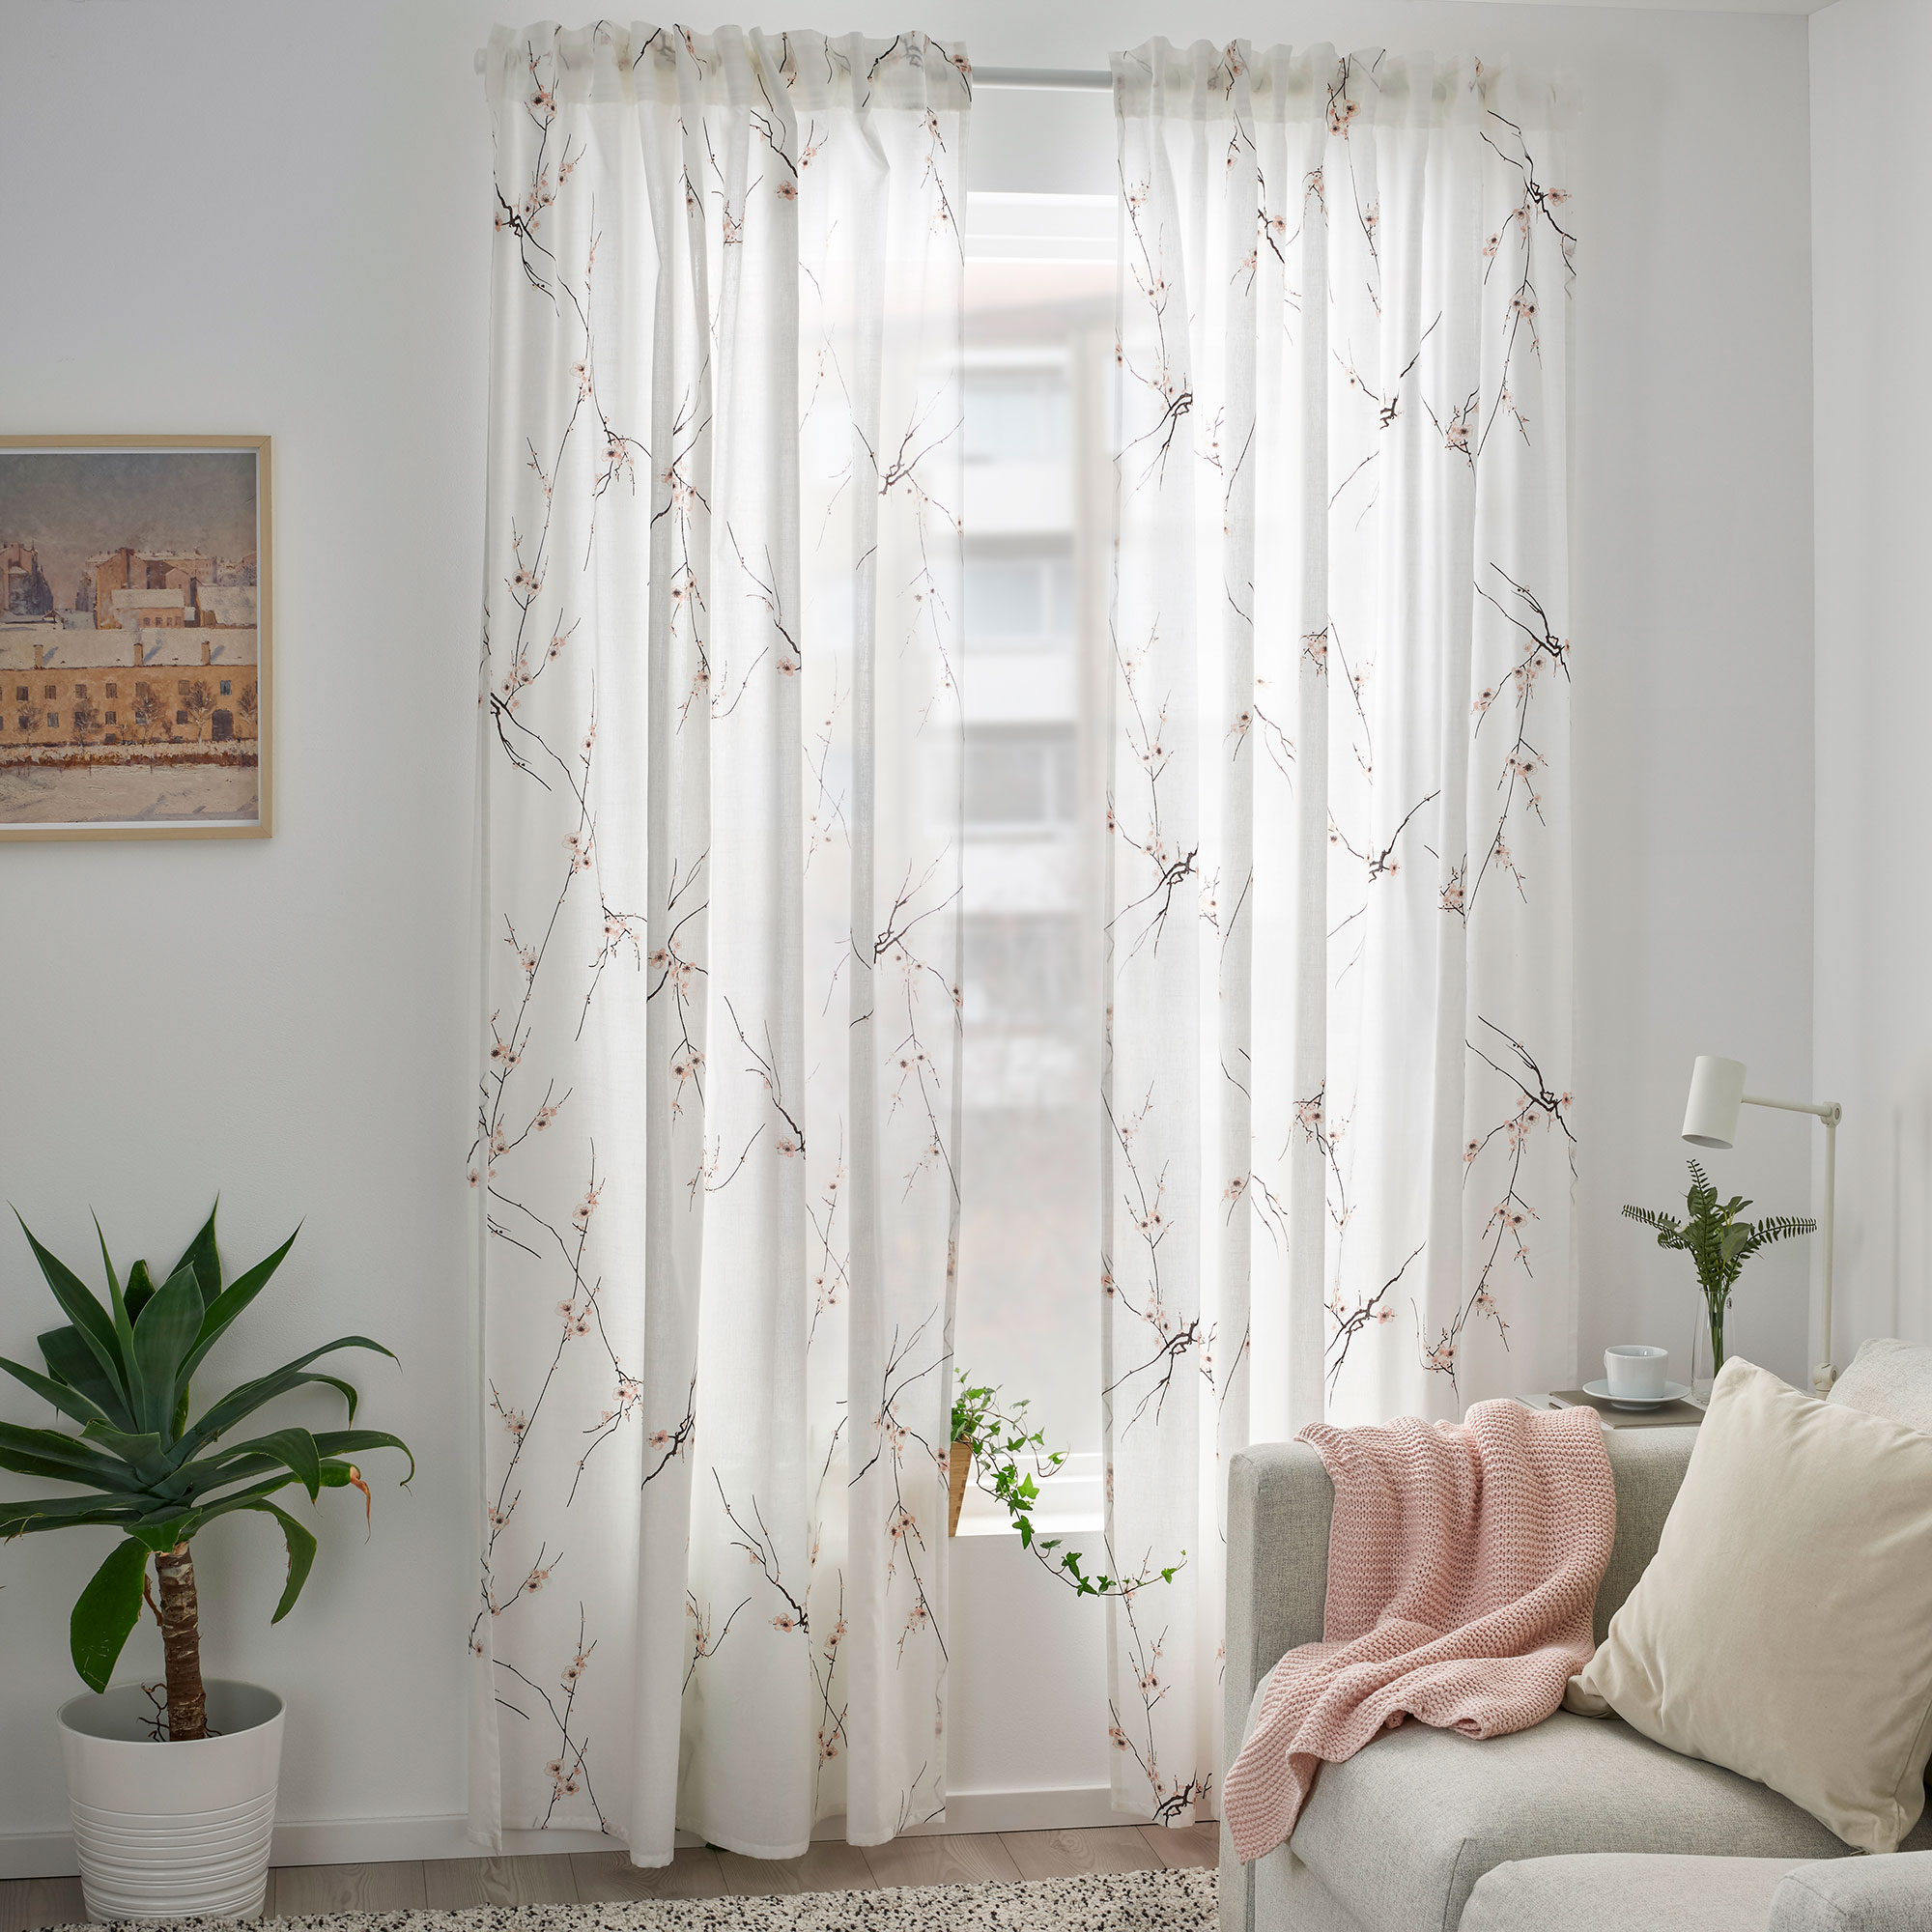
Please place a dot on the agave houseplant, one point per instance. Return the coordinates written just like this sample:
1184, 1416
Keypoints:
122, 1371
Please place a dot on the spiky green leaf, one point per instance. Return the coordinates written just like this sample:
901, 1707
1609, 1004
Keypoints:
124, 1330
211, 1471
145, 1453
205, 1512
69, 1400
346, 1390
107, 1611
301, 1555
225, 1414
196, 1480
295, 1450
108, 1266
95, 1326
43, 1513
71, 1360
163, 1338
47, 1452
348, 1442
262, 1455
231, 1301
140, 1289
205, 1259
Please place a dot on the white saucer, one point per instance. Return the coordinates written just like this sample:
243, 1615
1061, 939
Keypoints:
1672, 1392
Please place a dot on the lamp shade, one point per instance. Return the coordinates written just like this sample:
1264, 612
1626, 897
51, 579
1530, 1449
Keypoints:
1717, 1092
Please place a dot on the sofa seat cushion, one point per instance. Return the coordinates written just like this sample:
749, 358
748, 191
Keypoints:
1402, 1831
1635, 1893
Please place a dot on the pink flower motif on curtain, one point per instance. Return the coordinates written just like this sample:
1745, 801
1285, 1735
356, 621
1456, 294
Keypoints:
719, 853
1341, 1134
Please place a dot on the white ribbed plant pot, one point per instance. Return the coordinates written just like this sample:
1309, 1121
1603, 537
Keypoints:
173, 1831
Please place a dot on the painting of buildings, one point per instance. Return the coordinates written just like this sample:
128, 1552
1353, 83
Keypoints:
134, 638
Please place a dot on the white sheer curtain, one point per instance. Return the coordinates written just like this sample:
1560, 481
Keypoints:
720, 857
1341, 1139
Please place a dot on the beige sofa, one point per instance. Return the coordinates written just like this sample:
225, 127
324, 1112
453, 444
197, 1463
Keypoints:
1577, 1824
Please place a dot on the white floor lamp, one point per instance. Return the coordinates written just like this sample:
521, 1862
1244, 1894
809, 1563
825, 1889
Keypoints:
1711, 1121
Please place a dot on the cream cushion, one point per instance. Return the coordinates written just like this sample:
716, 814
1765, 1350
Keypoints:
1784, 1627
1889, 1378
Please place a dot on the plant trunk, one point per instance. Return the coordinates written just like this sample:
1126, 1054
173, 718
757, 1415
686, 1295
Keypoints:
181, 1645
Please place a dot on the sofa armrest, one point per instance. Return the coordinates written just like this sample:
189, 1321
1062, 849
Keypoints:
1279, 1504
1893, 1894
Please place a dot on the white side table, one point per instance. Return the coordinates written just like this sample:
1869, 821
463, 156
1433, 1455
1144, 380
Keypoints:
1678, 1415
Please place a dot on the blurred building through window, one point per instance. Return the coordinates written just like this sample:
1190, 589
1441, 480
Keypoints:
1041, 289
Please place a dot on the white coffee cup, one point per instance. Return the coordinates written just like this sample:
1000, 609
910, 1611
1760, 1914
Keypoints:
1635, 1371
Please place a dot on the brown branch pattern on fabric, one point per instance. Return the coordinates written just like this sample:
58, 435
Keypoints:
1339, 711
658, 625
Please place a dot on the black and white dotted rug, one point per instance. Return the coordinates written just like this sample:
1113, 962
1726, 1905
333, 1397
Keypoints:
1150, 1901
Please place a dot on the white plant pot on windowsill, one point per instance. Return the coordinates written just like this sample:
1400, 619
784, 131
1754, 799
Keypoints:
173, 1831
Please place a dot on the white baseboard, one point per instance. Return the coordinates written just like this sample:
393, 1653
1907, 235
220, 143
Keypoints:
384, 1840
330, 1842
1070, 1808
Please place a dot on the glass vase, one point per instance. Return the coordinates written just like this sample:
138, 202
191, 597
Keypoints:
1709, 1332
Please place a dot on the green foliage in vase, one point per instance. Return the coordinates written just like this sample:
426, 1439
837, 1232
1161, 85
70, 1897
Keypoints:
120, 1369
1003, 1445
1719, 1241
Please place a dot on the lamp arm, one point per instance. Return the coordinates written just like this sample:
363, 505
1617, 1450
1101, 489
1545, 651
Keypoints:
1827, 1111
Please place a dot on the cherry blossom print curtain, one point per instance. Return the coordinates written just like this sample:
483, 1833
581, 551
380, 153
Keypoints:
1340, 1135
718, 852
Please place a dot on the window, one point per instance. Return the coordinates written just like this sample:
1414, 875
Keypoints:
1020, 777
1019, 597
80, 691
50, 691
114, 691
1023, 969
227, 687
1016, 414
113, 717
1041, 290
19, 694
141, 690
25, 720
53, 718
181, 717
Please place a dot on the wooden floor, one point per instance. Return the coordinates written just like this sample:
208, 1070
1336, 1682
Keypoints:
567, 1878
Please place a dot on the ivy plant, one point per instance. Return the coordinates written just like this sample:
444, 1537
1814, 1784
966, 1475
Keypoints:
1010, 1459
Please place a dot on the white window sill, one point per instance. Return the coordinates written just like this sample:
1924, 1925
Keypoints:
1071, 1503
1043, 1525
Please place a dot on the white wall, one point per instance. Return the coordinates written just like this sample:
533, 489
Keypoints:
1872, 176
283, 1020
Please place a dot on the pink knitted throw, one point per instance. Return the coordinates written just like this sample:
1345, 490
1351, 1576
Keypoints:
1464, 1561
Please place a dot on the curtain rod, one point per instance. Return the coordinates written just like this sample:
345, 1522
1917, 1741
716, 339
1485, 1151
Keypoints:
1071, 79
1068, 79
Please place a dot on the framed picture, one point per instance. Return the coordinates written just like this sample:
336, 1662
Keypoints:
134, 622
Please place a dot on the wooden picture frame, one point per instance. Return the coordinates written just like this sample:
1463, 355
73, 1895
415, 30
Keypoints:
110, 551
